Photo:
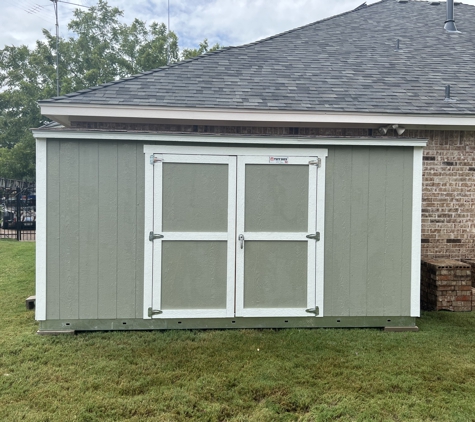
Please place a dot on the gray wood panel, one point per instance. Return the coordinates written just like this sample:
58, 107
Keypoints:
341, 231
53, 230
359, 231
127, 230
95, 230
88, 229
408, 174
69, 229
108, 229
368, 231
139, 218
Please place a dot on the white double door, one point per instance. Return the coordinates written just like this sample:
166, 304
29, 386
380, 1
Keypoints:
234, 236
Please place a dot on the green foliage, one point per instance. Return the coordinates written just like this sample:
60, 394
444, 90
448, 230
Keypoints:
231, 375
188, 53
103, 49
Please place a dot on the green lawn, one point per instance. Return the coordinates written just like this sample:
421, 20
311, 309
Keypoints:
246, 375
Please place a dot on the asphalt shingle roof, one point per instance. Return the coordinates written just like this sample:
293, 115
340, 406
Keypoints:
346, 63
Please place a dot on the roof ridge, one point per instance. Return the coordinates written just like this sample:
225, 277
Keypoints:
207, 54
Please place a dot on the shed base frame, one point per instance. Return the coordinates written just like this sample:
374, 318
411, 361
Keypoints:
55, 326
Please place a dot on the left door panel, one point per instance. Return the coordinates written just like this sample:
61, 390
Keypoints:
194, 253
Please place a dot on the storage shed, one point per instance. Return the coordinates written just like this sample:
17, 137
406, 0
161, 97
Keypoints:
243, 188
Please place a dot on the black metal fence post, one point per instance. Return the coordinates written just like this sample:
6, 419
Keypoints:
18, 214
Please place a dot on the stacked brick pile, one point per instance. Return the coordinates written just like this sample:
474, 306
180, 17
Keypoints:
446, 285
471, 262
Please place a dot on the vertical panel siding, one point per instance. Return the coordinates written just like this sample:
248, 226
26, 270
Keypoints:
407, 232
367, 228
88, 229
53, 231
69, 229
108, 230
359, 231
139, 216
127, 230
95, 229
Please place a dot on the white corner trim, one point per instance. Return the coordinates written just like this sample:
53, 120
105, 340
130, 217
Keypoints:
320, 245
214, 139
40, 290
416, 234
66, 111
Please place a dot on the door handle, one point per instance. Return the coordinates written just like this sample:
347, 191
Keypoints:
241, 239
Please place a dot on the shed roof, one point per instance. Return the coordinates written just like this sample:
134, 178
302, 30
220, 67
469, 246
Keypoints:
346, 63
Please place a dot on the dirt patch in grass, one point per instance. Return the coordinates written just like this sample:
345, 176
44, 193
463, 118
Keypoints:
246, 375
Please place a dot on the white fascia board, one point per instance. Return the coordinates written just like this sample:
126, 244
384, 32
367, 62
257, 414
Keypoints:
235, 139
64, 112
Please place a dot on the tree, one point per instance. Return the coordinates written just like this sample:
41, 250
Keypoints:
188, 53
102, 50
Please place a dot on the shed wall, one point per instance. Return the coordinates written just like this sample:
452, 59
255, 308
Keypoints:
95, 208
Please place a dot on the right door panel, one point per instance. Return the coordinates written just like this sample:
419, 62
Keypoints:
275, 261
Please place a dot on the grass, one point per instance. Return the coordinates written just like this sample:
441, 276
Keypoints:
245, 375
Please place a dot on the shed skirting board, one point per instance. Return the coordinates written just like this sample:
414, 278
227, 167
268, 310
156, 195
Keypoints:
221, 323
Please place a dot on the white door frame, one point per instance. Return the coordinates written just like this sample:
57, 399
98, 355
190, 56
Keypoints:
152, 153
228, 236
277, 236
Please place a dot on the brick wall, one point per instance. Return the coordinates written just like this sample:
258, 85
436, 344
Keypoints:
448, 194
448, 208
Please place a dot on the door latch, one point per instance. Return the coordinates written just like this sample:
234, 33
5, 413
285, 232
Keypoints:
152, 236
241, 239
312, 310
315, 236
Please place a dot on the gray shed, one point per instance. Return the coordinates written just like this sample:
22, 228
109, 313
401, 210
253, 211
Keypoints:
233, 190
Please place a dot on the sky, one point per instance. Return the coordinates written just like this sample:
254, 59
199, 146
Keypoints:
227, 22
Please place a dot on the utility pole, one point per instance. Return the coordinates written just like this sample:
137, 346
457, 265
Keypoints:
168, 35
55, 4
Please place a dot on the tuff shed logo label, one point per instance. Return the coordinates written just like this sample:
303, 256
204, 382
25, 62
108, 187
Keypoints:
279, 160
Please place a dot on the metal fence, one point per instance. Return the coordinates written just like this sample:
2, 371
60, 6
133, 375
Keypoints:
18, 213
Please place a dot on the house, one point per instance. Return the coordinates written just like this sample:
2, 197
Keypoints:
275, 184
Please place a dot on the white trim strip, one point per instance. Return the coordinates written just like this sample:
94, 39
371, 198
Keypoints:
320, 246
312, 229
148, 246
416, 234
237, 139
249, 152
65, 112
231, 264
41, 199
277, 236
190, 236
157, 228
192, 313
274, 312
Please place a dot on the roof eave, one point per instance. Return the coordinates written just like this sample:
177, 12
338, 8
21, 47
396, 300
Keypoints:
68, 113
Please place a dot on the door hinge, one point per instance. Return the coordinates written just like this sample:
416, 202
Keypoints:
154, 159
152, 236
312, 310
317, 162
152, 312
315, 236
